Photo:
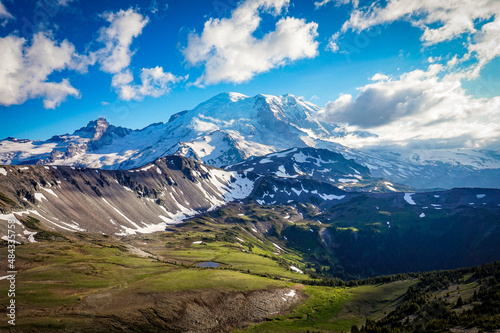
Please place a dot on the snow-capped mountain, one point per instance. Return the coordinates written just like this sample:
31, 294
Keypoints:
231, 127
223, 130
322, 165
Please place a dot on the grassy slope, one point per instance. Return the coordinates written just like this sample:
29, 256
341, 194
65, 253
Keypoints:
336, 309
57, 276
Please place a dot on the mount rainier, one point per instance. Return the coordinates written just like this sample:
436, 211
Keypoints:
230, 128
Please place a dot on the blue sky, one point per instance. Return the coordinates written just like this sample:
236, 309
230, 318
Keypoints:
406, 70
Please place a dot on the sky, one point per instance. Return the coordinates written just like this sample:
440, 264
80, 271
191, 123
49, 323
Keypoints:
424, 73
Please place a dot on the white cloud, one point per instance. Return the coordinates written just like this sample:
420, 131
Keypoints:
5, 16
25, 70
379, 77
116, 55
440, 21
333, 43
230, 52
64, 3
154, 82
117, 38
319, 4
419, 106
322, 3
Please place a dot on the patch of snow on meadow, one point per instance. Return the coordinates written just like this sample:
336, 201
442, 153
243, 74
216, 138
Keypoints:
293, 268
409, 199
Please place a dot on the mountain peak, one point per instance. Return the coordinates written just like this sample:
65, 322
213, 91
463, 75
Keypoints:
225, 97
99, 123
234, 96
12, 139
94, 129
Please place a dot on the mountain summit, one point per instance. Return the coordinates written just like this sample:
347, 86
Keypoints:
231, 127
222, 130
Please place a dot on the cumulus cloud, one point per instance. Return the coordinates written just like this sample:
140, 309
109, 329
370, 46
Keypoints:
5, 16
440, 21
231, 53
154, 82
115, 58
419, 106
124, 26
25, 70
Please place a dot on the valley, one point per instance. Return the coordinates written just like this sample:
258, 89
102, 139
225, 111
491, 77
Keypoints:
207, 224
149, 282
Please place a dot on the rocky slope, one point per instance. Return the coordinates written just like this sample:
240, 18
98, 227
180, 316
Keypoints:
197, 312
117, 202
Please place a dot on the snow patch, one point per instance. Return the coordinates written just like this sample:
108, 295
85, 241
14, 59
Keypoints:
31, 236
293, 268
283, 154
277, 246
331, 196
480, 196
148, 229
282, 172
147, 168
348, 180
409, 199
40, 196
390, 186
50, 191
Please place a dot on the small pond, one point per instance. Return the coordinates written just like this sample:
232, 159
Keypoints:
206, 264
